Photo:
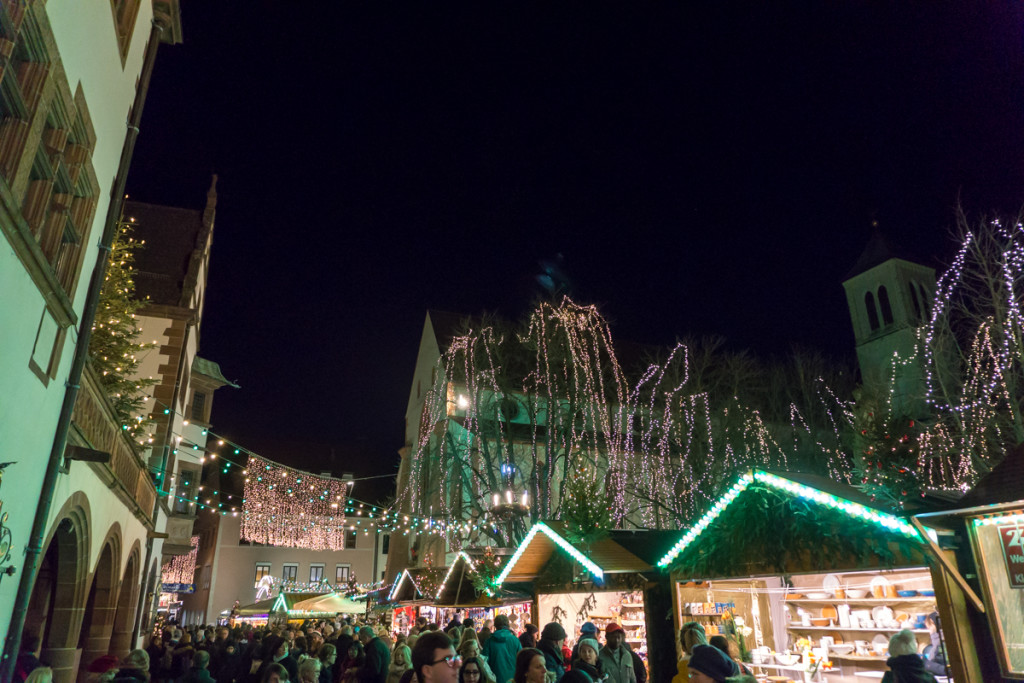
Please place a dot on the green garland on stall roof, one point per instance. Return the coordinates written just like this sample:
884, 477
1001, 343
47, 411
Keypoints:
765, 530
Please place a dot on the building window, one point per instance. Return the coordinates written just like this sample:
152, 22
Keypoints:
341, 573
184, 495
125, 13
290, 572
316, 573
883, 303
198, 406
207, 575
869, 304
914, 300
350, 538
262, 570
385, 543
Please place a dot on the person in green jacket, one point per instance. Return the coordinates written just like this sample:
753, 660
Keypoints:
615, 658
501, 650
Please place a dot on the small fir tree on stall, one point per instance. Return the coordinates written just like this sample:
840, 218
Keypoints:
888, 455
488, 566
114, 347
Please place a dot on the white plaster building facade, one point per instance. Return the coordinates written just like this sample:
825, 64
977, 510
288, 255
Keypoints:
73, 73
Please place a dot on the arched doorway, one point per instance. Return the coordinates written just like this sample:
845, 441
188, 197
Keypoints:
55, 606
98, 620
124, 616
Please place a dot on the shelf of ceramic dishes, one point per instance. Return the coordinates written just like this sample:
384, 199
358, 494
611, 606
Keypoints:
927, 600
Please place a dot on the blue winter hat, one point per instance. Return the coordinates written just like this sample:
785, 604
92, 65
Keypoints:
589, 627
710, 661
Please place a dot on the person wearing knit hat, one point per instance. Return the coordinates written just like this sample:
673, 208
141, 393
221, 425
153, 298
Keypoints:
588, 630
711, 665
103, 664
587, 649
550, 644
616, 662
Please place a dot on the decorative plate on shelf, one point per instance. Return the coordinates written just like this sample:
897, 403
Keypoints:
882, 615
830, 612
879, 584
831, 583
880, 639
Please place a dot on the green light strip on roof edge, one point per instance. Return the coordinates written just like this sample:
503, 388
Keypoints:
280, 601
852, 509
704, 521
595, 571
472, 566
1000, 519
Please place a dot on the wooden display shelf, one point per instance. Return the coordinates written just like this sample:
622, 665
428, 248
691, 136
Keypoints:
864, 601
873, 629
858, 658
706, 614
632, 604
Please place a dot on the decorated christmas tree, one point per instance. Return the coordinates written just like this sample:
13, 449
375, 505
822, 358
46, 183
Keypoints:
887, 454
114, 346
488, 566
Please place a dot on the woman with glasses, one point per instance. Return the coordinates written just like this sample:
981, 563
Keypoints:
471, 671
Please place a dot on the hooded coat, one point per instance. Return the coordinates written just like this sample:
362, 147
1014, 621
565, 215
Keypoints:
501, 650
907, 669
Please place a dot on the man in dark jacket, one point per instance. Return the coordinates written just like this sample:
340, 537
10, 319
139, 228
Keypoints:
378, 657
551, 640
501, 650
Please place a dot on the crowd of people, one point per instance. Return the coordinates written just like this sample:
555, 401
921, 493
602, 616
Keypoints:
338, 651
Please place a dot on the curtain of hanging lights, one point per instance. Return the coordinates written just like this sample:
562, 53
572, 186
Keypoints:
292, 508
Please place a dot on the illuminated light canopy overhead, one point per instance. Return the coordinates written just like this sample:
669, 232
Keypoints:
856, 510
541, 527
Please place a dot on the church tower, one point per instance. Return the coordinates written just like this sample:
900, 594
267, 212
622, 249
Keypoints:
889, 298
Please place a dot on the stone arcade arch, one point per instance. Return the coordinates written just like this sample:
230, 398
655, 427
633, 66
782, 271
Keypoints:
58, 596
127, 602
98, 620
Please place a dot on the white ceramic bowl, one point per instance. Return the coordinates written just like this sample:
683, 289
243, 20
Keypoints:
841, 648
816, 596
855, 593
786, 660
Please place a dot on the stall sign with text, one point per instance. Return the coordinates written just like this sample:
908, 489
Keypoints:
1012, 536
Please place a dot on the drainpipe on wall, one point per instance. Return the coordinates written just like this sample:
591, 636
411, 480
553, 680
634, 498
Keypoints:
34, 547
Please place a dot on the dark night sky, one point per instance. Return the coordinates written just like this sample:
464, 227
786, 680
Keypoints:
704, 169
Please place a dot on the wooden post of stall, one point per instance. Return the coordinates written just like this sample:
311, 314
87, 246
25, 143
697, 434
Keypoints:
659, 615
956, 626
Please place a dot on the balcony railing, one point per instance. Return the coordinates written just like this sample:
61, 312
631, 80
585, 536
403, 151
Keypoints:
94, 425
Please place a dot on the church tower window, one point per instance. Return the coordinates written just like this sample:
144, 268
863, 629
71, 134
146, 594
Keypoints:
869, 304
883, 303
915, 300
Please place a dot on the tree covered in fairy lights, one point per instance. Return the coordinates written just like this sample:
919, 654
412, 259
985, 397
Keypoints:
531, 408
528, 407
114, 345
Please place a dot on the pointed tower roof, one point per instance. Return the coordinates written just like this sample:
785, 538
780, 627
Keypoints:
878, 250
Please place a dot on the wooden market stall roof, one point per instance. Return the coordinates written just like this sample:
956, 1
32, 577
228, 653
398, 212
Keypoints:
822, 506
281, 602
620, 552
407, 587
458, 590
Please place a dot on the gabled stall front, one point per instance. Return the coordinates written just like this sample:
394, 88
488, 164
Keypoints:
606, 579
815, 573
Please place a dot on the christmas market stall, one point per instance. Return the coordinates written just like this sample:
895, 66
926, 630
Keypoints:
602, 577
275, 609
983, 540
331, 604
806, 578
407, 598
468, 590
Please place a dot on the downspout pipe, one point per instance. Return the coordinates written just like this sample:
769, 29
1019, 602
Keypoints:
34, 548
